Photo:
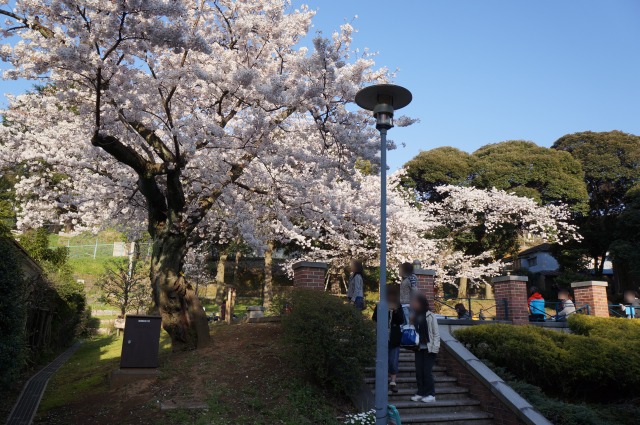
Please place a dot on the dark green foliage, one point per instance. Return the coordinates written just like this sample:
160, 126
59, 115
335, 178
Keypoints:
60, 293
13, 313
603, 351
611, 163
329, 339
521, 167
533, 171
437, 167
625, 249
564, 413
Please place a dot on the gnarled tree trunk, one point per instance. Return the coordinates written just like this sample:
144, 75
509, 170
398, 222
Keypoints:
182, 315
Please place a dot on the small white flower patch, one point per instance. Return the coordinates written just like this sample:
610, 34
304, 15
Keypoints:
365, 418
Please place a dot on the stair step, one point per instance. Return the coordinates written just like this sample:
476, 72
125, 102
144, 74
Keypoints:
410, 382
437, 378
408, 371
452, 418
408, 407
408, 368
444, 392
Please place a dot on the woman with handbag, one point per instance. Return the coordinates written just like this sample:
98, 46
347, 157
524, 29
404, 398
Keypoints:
396, 320
426, 326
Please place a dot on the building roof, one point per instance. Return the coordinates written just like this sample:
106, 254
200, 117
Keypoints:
544, 247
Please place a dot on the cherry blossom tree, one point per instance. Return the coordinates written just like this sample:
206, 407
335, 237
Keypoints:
467, 232
160, 113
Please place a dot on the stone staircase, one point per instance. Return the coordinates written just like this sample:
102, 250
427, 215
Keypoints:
453, 404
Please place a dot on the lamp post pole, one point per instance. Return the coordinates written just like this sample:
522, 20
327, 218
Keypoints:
383, 99
382, 328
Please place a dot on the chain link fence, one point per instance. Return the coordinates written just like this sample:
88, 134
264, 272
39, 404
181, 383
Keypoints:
106, 250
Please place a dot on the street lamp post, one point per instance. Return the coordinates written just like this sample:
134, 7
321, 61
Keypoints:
383, 100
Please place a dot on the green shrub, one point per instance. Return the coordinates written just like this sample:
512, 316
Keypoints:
329, 339
609, 328
13, 314
568, 365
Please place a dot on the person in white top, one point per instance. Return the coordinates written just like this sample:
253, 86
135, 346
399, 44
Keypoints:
355, 290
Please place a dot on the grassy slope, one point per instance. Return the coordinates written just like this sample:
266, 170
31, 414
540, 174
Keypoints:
244, 377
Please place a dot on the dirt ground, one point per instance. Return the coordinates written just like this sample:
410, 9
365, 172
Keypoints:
242, 376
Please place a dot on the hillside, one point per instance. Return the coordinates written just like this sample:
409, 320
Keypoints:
244, 377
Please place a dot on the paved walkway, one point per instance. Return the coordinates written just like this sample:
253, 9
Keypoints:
27, 405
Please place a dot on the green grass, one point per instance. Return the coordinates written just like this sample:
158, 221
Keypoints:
297, 404
240, 309
86, 370
85, 268
87, 238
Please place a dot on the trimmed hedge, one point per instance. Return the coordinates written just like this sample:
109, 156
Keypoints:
329, 339
601, 364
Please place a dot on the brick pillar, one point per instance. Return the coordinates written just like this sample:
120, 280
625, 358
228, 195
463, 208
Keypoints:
513, 290
594, 293
309, 275
426, 283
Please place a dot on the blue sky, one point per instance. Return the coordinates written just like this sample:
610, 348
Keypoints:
487, 71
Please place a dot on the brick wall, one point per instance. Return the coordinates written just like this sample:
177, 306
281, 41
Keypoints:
513, 289
593, 293
502, 415
426, 283
309, 275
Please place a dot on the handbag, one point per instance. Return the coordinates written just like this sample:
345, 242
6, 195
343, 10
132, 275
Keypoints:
393, 416
410, 337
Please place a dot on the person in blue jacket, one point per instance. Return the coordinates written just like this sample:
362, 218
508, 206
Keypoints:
536, 305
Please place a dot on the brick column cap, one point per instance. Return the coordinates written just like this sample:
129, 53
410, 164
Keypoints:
589, 283
509, 279
309, 264
424, 272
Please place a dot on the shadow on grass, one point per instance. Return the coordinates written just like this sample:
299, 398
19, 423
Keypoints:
86, 371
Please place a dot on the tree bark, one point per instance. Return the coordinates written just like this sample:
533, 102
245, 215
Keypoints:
462, 287
488, 291
220, 270
267, 290
182, 315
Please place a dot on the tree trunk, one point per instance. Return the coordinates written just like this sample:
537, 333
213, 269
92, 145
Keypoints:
488, 291
235, 269
267, 290
182, 315
462, 287
600, 270
220, 270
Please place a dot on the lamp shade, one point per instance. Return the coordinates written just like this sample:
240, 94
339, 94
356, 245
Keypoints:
391, 94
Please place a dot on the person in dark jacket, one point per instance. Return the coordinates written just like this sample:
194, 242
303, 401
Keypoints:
426, 326
463, 313
396, 320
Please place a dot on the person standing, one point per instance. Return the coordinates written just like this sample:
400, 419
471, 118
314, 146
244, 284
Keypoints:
409, 283
396, 320
408, 288
355, 290
426, 326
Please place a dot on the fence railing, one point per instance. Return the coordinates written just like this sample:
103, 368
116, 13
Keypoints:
479, 309
624, 311
104, 250
552, 310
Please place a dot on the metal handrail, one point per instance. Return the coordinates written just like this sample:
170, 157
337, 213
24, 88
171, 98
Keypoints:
617, 312
468, 301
